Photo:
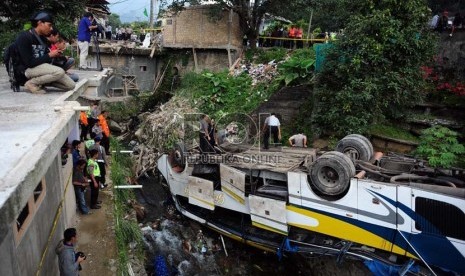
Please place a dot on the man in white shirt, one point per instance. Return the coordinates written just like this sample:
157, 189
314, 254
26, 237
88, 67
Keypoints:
298, 140
272, 126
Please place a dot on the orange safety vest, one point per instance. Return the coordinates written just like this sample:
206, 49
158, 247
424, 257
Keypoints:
292, 32
104, 125
83, 118
299, 33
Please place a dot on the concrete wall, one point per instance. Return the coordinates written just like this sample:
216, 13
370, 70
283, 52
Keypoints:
142, 66
23, 258
212, 60
285, 103
193, 28
452, 53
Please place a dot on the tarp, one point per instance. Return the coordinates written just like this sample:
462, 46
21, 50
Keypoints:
382, 269
320, 53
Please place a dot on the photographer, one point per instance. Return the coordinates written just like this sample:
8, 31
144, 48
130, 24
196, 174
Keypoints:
36, 56
68, 260
85, 29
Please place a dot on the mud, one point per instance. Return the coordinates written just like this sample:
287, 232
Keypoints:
96, 238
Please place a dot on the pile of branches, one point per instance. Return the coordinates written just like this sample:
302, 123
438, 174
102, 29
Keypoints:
159, 132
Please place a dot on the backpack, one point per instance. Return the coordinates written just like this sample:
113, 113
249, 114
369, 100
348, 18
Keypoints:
14, 67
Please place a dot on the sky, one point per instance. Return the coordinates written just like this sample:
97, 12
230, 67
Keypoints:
130, 10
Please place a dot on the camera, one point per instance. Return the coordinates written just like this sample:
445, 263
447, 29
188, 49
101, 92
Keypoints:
80, 254
99, 29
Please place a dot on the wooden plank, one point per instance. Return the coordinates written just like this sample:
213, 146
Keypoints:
195, 60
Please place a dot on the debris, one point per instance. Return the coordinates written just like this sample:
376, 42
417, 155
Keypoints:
260, 73
154, 131
186, 246
224, 246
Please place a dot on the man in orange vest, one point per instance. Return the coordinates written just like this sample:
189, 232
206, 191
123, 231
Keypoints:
106, 131
292, 33
299, 33
84, 125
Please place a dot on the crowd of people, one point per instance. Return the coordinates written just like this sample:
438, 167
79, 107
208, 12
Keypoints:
90, 165
441, 22
90, 157
288, 37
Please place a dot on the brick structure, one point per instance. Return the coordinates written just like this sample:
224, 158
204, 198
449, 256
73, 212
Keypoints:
192, 28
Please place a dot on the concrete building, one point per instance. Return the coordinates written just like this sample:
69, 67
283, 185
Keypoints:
214, 44
37, 201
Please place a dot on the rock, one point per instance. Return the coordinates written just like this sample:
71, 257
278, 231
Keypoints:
114, 126
139, 133
146, 229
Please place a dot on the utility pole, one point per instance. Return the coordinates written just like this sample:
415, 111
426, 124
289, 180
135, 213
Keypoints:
309, 25
153, 5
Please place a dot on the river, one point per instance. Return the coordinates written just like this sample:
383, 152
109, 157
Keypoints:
173, 234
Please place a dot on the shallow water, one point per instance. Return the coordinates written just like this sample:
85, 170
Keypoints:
167, 241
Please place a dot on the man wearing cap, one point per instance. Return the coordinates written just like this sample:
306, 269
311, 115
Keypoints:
84, 34
37, 57
101, 160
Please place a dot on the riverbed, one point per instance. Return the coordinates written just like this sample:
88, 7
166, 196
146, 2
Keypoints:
178, 246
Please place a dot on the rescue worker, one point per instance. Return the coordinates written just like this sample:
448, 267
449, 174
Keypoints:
106, 131
93, 170
84, 125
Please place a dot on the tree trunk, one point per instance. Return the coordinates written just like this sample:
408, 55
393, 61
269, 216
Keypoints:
252, 41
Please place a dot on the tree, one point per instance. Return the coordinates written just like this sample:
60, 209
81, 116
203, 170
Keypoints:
114, 20
22, 10
250, 12
18, 13
373, 69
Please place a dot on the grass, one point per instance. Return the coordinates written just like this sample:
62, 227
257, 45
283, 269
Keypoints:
393, 132
126, 231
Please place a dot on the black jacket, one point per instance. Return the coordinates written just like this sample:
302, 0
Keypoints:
31, 51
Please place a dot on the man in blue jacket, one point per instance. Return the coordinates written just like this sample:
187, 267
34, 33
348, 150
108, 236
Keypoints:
36, 56
84, 35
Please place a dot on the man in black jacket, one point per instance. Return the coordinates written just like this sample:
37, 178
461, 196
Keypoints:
37, 58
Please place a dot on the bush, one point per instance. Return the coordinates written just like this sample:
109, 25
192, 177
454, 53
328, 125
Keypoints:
373, 70
439, 145
216, 94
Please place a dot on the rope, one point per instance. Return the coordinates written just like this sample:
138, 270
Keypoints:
57, 215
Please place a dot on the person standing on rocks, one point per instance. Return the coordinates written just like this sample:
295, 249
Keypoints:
204, 136
272, 126
68, 262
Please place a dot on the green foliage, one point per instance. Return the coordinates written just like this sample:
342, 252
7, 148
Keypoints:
114, 20
66, 27
126, 231
301, 124
9, 32
18, 13
219, 93
440, 147
138, 25
393, 132
121, 111
265, 55
299, 68
373, 70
